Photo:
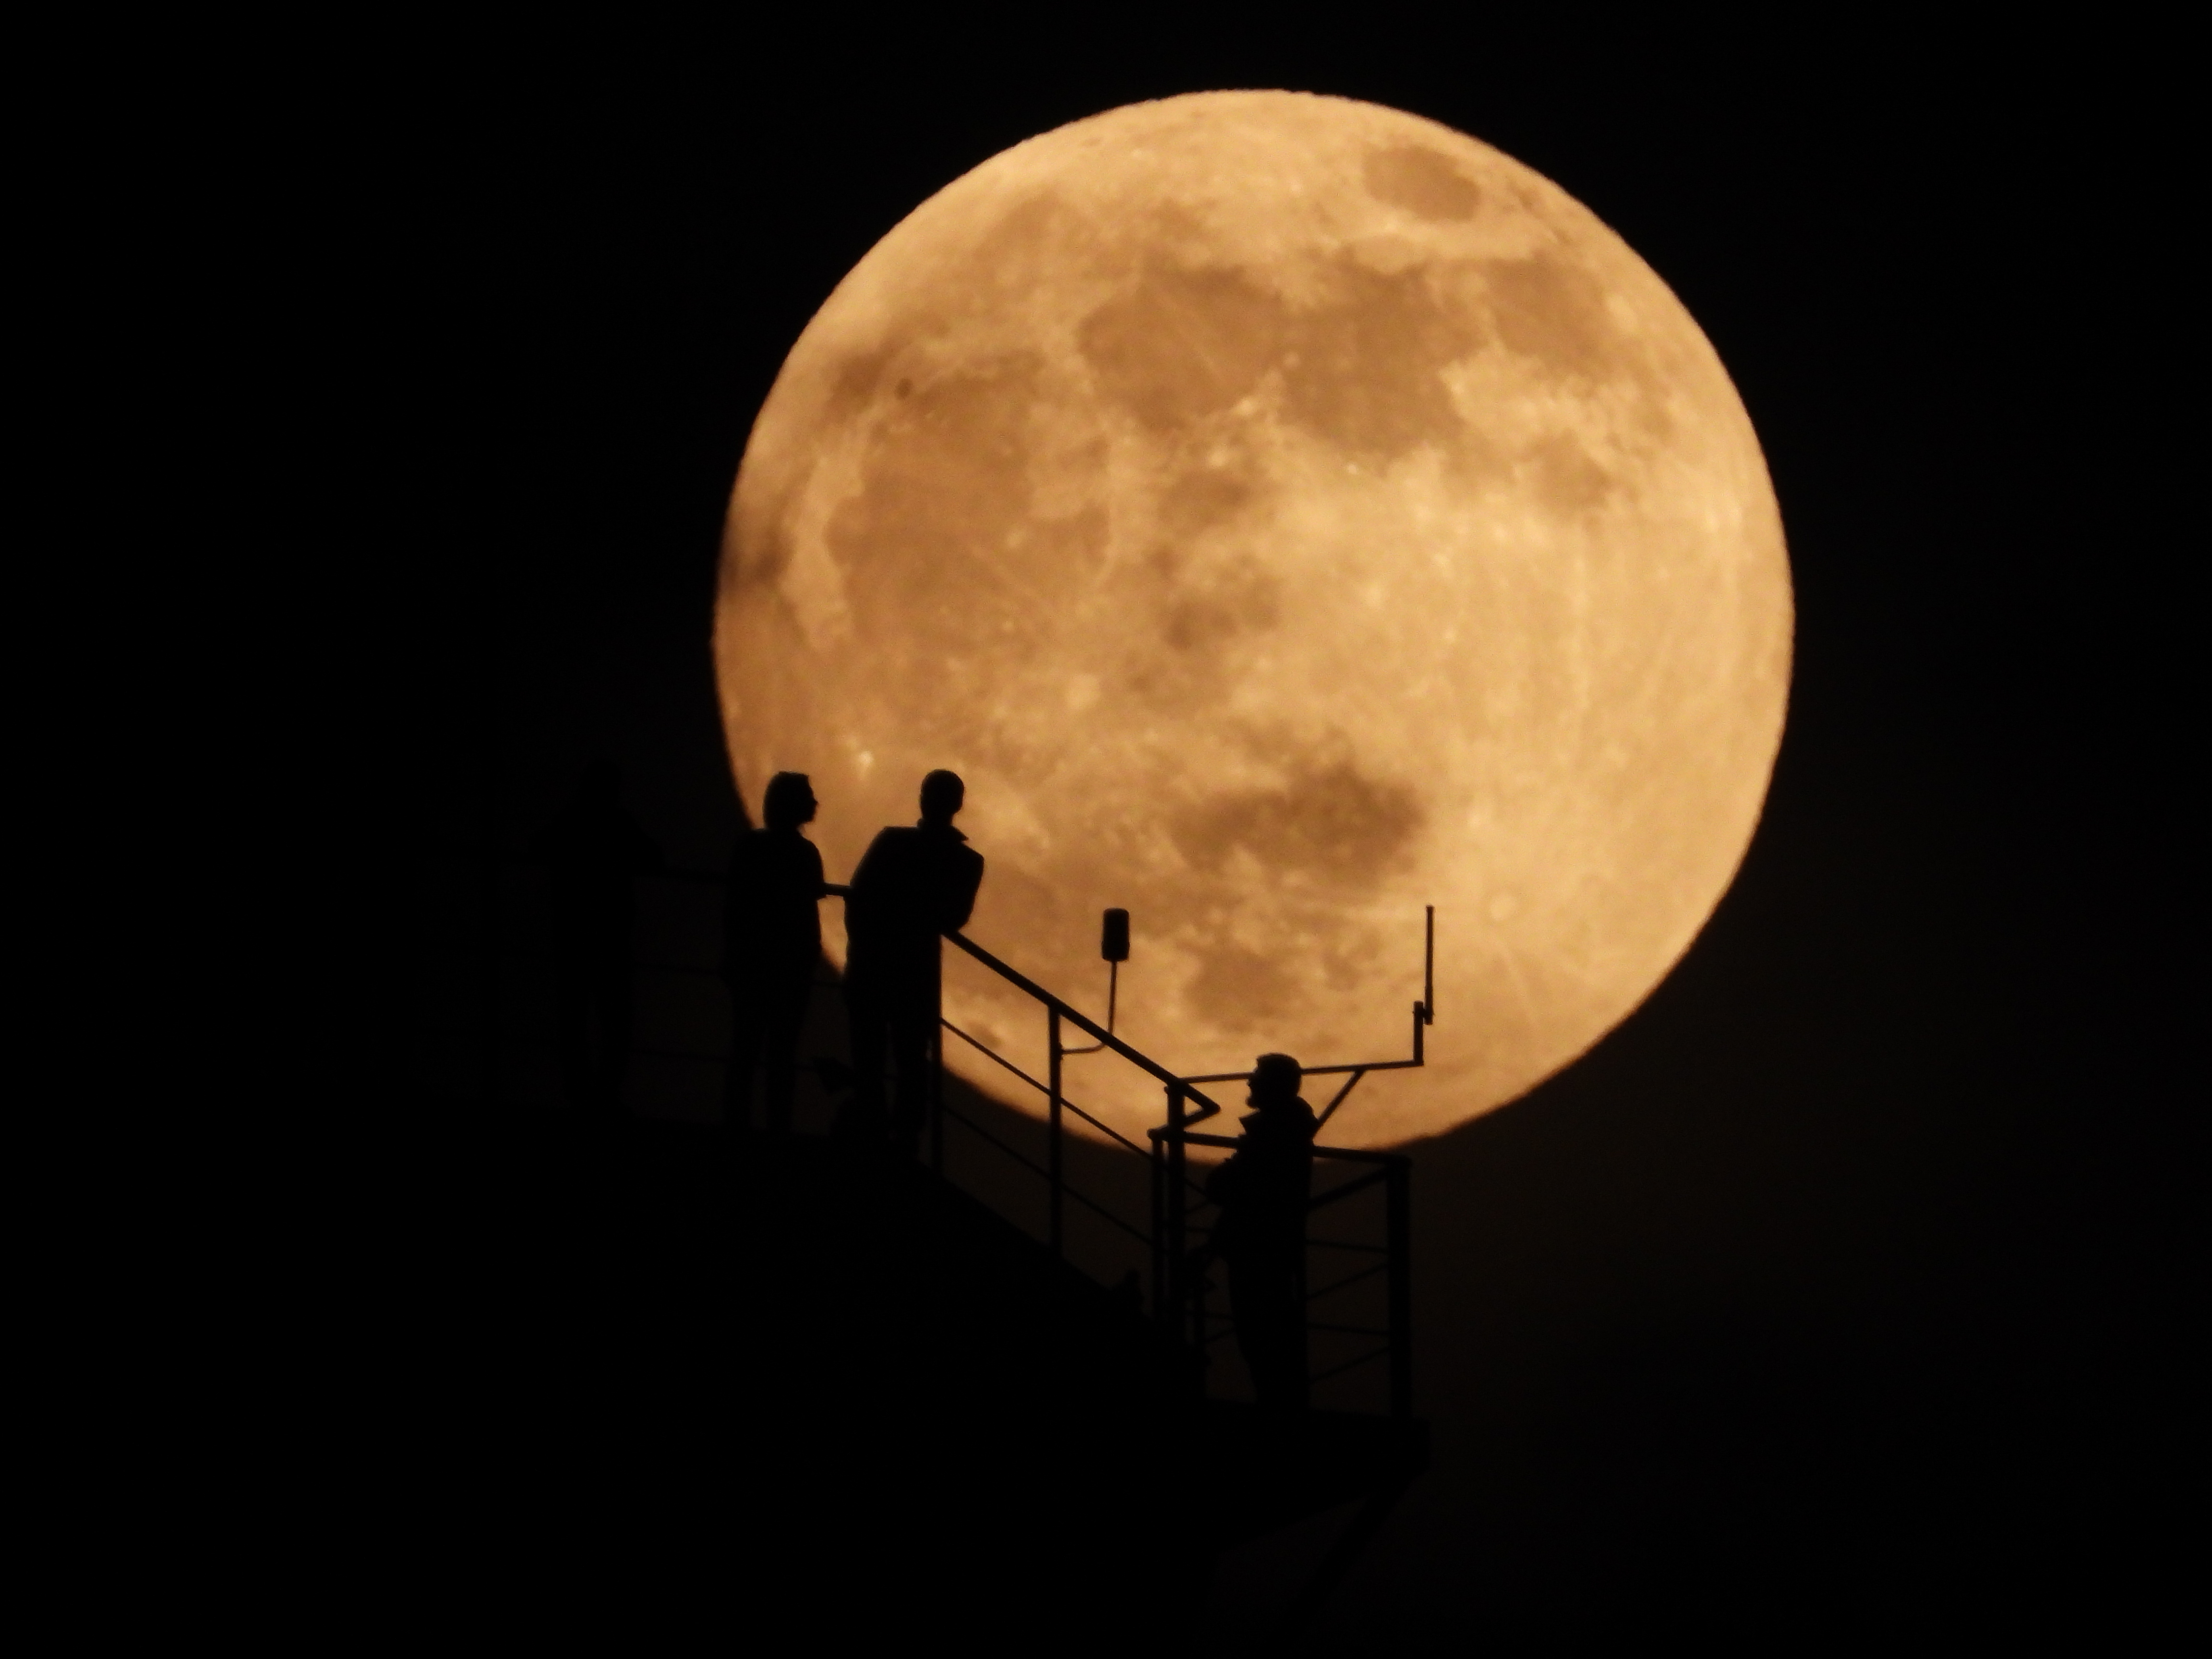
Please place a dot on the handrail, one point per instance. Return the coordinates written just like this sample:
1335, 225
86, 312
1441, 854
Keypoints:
1346, 1189
1348, 1154
991, 1054
1088, 1203
1361, 1277
1180, 1208
1143, 1062
1180, 1286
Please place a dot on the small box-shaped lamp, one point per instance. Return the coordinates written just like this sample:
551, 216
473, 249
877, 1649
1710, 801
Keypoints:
1113, 947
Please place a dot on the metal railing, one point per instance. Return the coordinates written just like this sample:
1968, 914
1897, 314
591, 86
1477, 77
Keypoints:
1189, 1295
1181, 1286
1175, 1235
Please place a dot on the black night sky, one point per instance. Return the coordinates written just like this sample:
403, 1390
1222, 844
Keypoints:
1827, 1297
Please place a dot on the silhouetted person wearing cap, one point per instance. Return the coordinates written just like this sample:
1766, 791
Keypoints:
772, 943
1263, 1190
596, 851
913, 886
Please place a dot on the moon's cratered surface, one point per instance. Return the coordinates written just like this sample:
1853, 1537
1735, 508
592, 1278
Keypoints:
1283, 512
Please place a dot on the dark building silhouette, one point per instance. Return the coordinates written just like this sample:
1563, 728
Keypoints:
594, 851
772, 946
1262, 1191
913, 886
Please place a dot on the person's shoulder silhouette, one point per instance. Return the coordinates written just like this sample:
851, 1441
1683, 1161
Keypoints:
775, 879
1263, 1191
916, 881
1262, 1186
913, 885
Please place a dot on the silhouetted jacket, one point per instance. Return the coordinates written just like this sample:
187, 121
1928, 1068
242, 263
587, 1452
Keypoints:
1263, 1188
771, 919
914, 885
595, 852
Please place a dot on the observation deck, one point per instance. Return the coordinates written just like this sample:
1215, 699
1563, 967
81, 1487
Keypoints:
863, 1380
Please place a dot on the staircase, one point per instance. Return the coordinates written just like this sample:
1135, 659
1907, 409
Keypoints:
815, 1374
730, 1373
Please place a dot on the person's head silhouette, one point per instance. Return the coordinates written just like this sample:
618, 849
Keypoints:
788, 801
1275, 1080
942, 795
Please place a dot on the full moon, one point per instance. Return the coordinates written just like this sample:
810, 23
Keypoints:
1285, 513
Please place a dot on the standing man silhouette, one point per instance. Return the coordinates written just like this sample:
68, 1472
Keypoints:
772, 942
913, 886
1263, 1190
596, 851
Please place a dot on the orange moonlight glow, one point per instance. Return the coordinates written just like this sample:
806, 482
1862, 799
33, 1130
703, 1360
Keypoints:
1283, 512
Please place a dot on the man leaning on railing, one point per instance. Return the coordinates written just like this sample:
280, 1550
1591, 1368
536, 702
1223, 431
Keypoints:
1263, 1190
913, 886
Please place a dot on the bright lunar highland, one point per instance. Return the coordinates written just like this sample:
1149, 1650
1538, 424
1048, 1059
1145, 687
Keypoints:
1285, 513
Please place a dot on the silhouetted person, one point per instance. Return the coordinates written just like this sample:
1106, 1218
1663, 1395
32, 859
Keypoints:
913, 886
772, 941
1263, 1190
595, 850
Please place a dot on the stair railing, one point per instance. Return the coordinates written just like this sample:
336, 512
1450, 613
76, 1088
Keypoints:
1058, 1015
1181, 1286
1179, 1275
1177, 1235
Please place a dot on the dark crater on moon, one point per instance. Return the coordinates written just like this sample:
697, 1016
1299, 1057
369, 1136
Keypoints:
1366, 373
1329, 822
1551, 309
1240, 989
1181, 344
1422, 181
1362, 370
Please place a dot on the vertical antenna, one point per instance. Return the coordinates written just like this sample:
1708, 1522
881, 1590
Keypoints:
1429, 971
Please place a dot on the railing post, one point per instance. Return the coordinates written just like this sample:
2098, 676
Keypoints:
937, 1071
1399, 1222
1161, 1305
1178, 1253
1052, 1136
937, 1101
